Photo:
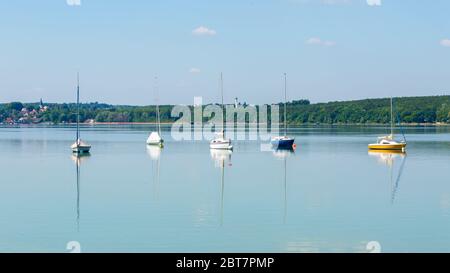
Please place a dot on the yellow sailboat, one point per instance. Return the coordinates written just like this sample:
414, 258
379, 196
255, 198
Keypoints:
389, 142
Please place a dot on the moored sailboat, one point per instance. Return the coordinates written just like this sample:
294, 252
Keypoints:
220, 142
79, 147
155, 137
389, 142
283, 142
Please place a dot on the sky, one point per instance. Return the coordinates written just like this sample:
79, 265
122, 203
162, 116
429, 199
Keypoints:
331, 50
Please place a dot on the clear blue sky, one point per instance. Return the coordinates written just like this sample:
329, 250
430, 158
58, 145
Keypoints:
331, 49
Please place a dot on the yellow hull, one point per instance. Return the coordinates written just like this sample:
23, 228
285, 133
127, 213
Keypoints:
386, 147
389, 152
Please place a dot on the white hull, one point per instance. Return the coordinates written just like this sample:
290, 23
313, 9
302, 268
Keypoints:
155, 139
156, 143
81, 149
221, 144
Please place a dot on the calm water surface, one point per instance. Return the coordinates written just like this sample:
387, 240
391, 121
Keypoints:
331, 195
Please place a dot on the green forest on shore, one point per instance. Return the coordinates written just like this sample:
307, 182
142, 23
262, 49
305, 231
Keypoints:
413, 110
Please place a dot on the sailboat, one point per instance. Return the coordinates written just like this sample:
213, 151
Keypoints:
389, 142
283, 142
155, 137
220, 142
79, 147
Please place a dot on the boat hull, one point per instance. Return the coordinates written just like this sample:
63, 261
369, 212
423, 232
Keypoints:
81, 149
221, 145
387, 147
155, 139
156, 143
282, 143
387, 152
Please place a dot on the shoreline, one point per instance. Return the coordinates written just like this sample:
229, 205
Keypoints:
437, 124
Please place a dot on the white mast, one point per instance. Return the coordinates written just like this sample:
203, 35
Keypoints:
392, 117
285, 100
157, 106
78, 107
223, 107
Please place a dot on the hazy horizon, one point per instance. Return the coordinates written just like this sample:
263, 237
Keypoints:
206, 103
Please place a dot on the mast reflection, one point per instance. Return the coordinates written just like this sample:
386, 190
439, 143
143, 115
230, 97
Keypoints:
284, 154
221, 158
154, 152
389, 159
79, 159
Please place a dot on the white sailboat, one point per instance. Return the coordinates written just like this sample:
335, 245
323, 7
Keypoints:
283, 142
220, 142
155, 137
79, 147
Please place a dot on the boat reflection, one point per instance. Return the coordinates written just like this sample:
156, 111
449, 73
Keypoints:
79, 159
154, 152
221, 158
389, 159
284, 154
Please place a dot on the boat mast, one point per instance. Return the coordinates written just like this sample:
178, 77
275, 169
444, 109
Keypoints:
157, 106
78, 106
285, 99
392, 117
223, 107
222, 183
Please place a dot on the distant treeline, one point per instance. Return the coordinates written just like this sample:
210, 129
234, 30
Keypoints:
430, 109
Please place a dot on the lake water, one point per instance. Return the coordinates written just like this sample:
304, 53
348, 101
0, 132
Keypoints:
331, 195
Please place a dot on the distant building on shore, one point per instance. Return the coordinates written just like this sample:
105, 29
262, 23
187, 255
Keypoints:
42, 107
